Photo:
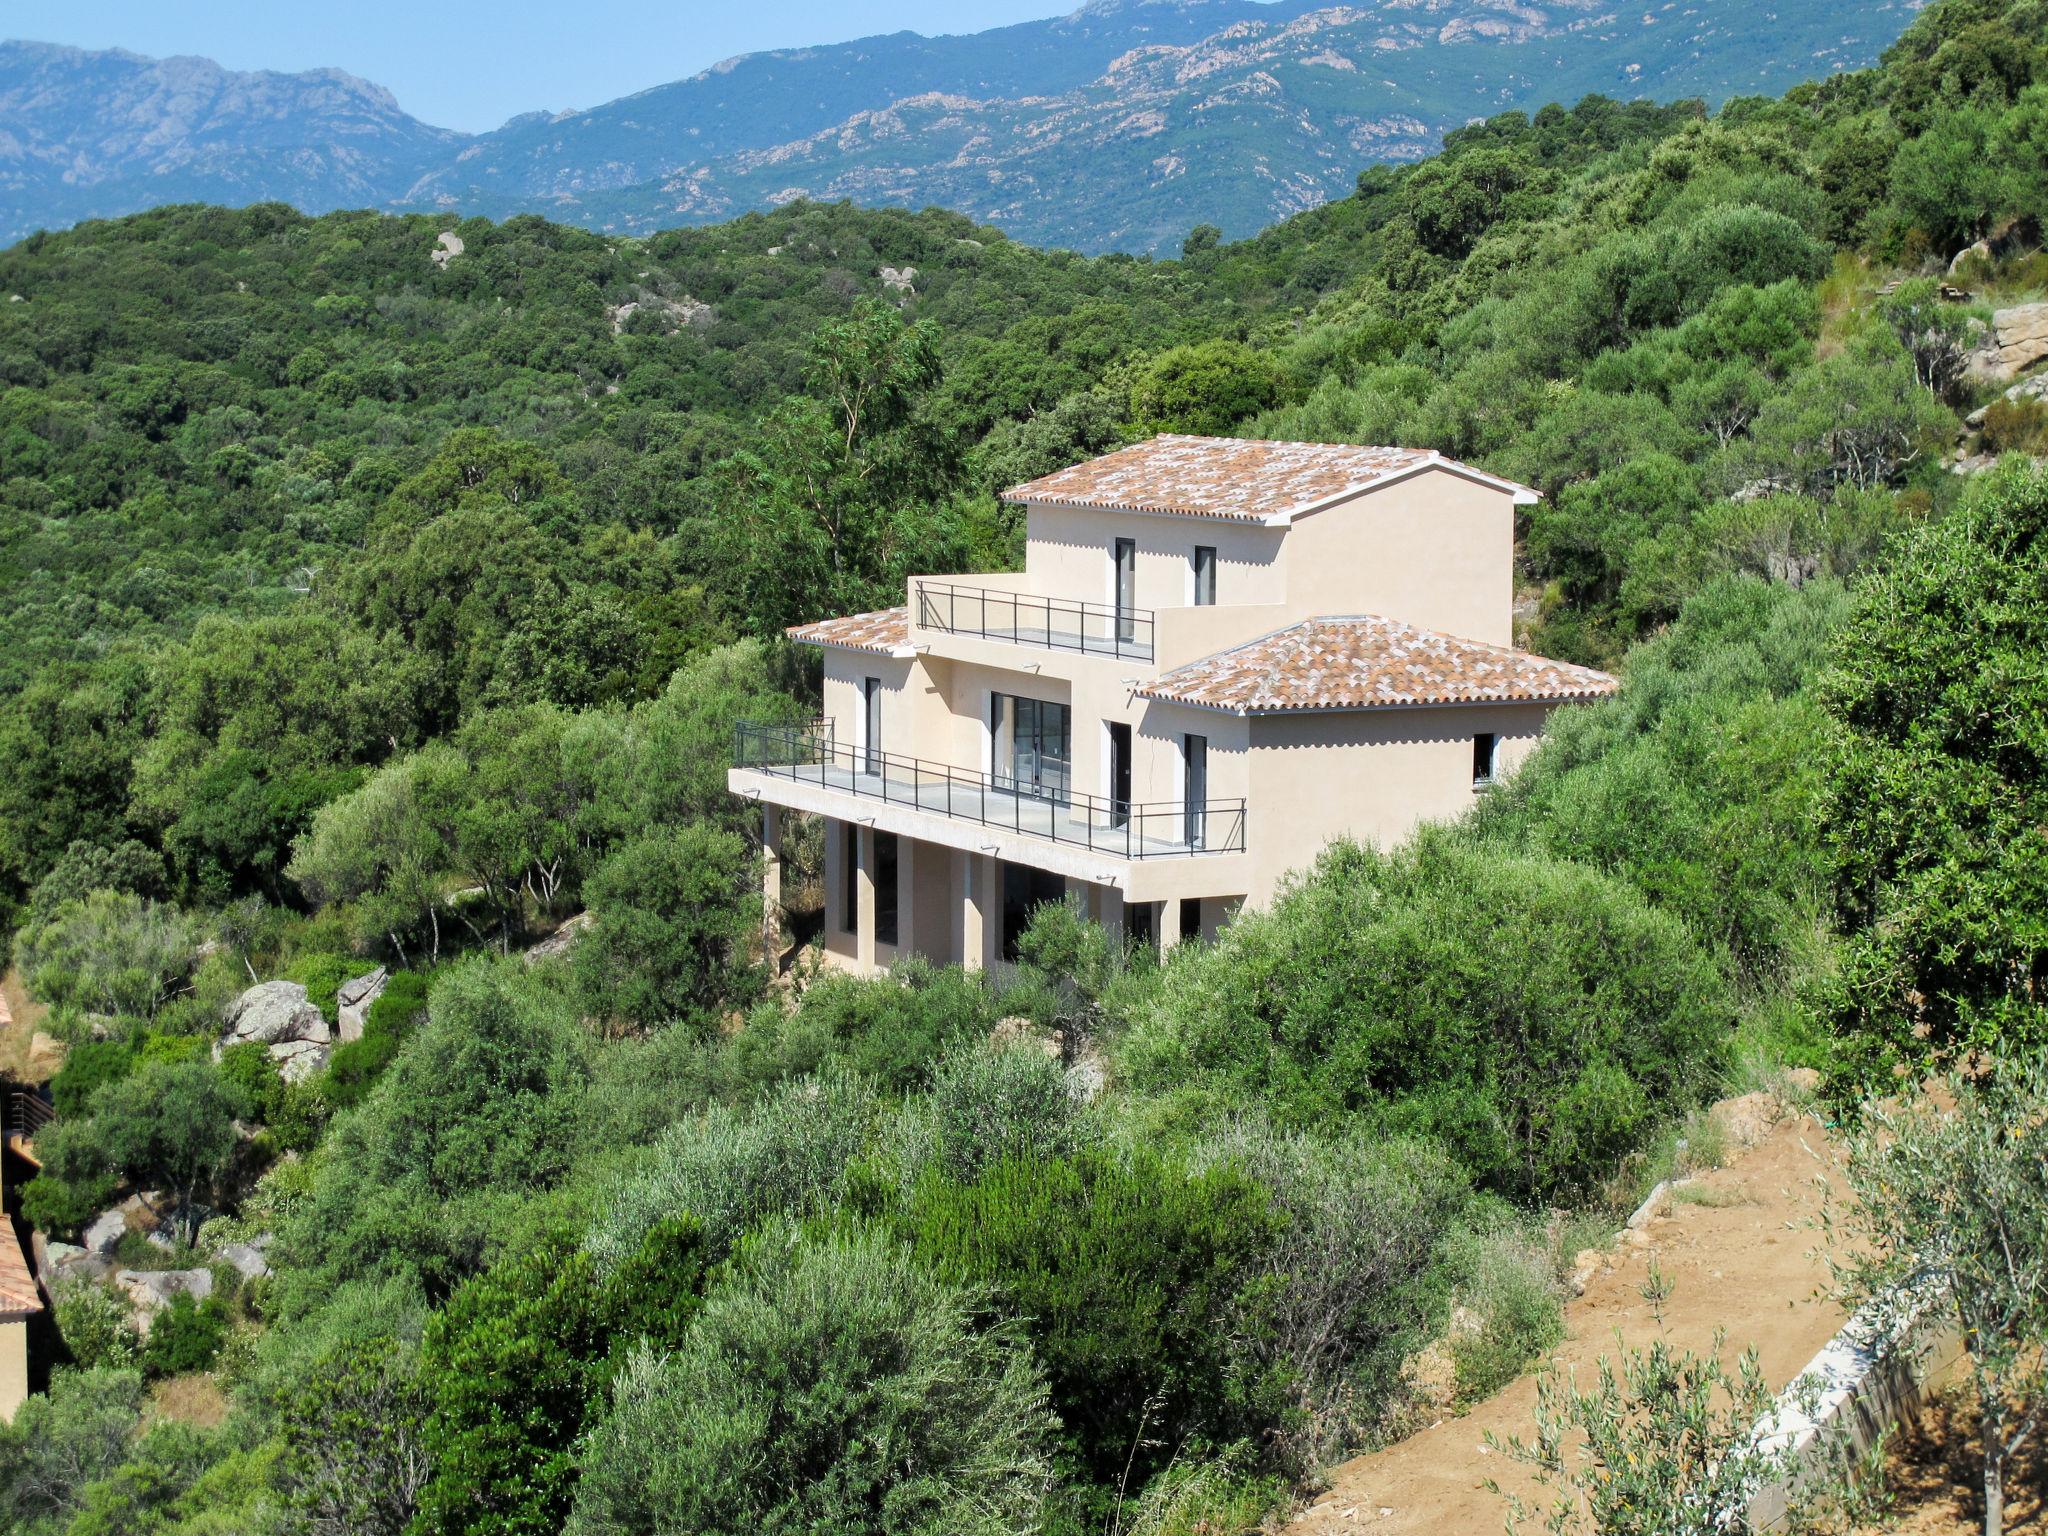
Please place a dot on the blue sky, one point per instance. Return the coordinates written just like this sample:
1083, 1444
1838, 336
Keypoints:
473, 63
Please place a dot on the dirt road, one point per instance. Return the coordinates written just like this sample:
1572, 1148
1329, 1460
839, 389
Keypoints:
1739, 1253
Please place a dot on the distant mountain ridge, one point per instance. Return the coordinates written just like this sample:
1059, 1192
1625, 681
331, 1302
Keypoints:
1119, 126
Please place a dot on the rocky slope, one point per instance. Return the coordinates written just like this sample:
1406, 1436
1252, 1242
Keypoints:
1117, 127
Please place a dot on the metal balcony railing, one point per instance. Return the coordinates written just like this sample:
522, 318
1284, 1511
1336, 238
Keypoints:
1167, 829
1095, 629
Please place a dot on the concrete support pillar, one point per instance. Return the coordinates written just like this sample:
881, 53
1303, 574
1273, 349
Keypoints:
907, 850
1169, 926
864, 892
771, 881
981, 908
1109, 909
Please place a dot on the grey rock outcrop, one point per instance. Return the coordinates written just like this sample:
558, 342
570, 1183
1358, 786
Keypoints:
352, 1002
2018, 340
274, 1011
248, 1258
107, 1229
560, 942
150, 1290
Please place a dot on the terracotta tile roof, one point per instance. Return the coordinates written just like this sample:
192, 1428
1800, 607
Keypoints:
1240, 479
886, 632
1367, 663
18, 1291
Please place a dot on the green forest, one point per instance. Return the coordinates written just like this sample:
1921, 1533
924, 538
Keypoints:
373, 608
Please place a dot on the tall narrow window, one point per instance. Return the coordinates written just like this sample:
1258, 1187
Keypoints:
1194, 757
1126, 589
1190, 917
849, 877
1205, 576
1483, 749
871, 723
886, 855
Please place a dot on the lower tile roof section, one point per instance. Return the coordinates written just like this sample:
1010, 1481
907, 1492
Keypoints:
886, 632
1367, 662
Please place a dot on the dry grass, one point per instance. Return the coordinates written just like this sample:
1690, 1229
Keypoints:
16, 1037
196, 1400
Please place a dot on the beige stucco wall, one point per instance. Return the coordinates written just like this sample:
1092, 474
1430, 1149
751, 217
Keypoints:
1373, 775
1069, 553
13, 1360
1435, 549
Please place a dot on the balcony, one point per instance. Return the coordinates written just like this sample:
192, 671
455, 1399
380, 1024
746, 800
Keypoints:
807, 754
989, 613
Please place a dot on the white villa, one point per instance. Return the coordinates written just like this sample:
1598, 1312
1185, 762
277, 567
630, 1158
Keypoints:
1220, 655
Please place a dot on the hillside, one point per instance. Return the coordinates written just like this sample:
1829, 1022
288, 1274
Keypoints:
1119, 127
385, 593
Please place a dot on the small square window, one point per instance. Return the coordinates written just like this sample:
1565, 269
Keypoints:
1483, 746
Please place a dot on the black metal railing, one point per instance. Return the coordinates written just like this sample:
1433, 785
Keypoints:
26, 1112
1095, 629
1132, 830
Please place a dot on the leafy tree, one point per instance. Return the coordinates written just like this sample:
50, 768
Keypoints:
170, 1125
517, 1365
108, 952
352, 1422
675, 922
95, 1325
1206, 387
1938, 774
833, 1386
1951, 1209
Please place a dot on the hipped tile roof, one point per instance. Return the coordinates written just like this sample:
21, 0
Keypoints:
18, 1293
885, 631
1369, 662
1237, 479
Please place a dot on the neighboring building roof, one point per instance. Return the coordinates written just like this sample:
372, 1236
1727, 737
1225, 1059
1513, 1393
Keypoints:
1238, 479
18, 1293
885, 632
1369, 663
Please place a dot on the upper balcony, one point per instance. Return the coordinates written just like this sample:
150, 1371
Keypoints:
1121, 829
1026, 618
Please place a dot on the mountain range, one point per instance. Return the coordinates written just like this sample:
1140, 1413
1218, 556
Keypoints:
1118, 127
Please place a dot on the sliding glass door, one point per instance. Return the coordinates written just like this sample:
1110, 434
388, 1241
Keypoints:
1034, 746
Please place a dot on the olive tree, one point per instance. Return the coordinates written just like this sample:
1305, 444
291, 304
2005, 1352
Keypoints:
1951, 1194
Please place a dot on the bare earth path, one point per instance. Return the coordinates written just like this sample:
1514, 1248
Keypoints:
1742, 1260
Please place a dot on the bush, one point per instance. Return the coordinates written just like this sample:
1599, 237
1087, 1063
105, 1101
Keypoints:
1353, 1283
185, 1336
731, 1169
833, 1385
250, 1071
894, 1029
107, 952
62, 1207
519, 1361
89, 1066
993, 1102
1130, 1273
357, 1064
322, 976
676, 918
1514, 1311
64, 1440
1533, 1014
96, 1326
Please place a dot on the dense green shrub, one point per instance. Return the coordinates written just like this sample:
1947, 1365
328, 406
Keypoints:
1535, 1015
96, 1325
322, 976
62, 1441
676, 916
519, 1361
88, 1066
1128, 1270
357, 1064
185, 1336
995, 1102
832, 1386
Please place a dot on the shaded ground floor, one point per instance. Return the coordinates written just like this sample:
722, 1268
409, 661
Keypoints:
889, 895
